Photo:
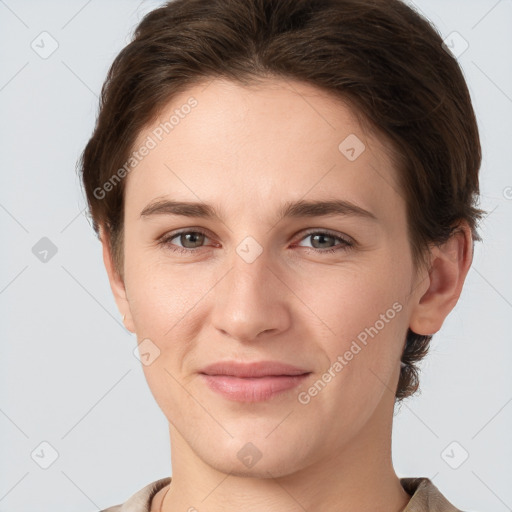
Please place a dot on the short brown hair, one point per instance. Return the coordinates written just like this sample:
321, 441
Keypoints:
379, 56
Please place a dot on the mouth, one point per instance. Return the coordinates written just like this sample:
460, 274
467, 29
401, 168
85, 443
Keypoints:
254, 381
253, 369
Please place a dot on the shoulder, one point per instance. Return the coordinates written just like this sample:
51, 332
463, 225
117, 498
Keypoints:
425, 496
141, 500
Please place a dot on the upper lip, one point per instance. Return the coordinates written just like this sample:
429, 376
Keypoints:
252, 369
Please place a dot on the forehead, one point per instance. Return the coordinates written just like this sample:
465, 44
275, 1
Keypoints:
280, 139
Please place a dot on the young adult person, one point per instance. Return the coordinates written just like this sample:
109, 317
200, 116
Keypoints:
285, 191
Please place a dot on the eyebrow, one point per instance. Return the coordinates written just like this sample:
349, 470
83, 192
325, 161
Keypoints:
290, 209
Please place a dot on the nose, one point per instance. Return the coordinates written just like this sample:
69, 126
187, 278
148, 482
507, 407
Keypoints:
250, 303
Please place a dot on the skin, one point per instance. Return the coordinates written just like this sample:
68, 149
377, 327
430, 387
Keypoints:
247, 150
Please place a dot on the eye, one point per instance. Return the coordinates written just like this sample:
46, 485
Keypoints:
322, 242
190, 241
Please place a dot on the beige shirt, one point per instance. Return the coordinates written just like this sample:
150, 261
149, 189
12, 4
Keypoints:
425, 497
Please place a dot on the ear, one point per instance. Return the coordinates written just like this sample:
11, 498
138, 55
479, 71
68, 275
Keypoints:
116, 282
449, 266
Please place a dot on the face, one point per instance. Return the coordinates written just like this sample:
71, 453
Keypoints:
327, 288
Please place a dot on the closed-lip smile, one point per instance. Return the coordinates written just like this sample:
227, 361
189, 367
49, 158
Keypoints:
253, 381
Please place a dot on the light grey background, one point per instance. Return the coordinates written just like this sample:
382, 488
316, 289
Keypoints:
68, 374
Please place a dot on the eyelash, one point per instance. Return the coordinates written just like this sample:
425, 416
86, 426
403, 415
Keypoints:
346, 244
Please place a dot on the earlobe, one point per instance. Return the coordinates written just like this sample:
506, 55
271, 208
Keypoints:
116, 282
450, 263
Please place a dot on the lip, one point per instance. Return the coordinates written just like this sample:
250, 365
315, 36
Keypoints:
252, 382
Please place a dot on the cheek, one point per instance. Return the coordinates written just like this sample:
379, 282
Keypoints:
366, 314
350, 300
160, 292
165, 303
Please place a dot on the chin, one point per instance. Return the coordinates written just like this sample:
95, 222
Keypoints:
259, 457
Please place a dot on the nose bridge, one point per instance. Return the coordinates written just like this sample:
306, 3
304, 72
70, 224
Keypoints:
250, 275
249, 269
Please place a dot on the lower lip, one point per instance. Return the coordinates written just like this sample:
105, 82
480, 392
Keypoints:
252, 389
